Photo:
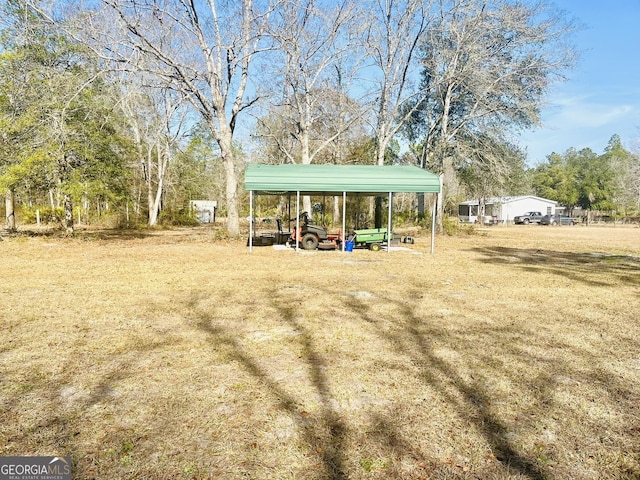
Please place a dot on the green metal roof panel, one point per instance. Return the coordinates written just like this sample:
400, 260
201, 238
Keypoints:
339, 178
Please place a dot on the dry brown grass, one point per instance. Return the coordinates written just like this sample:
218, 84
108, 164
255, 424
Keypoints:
513, 354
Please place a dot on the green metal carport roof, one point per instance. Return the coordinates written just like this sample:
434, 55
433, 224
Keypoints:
309, 179
333, 179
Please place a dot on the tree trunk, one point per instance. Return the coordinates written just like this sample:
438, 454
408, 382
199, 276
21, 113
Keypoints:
337, 211
68, 213
305, 157
152, 213
378, 213
155, 198
228, 159
440, 206
420, 205
10, 212
381, 149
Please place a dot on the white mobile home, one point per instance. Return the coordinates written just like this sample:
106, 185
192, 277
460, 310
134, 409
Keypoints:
503, 209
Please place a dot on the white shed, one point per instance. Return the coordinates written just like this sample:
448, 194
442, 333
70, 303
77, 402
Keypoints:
205, 210
503, 209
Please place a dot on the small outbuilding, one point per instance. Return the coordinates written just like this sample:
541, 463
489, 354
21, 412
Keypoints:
205, 210
503, 209
334, 180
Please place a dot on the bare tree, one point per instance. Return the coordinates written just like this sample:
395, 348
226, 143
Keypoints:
201, 50
313, 43
158, 120
487, 65
392, 41
633, 186
489, 167
626, 165
334, 121
316, 55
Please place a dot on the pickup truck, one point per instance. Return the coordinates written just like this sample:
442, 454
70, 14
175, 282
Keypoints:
529, 217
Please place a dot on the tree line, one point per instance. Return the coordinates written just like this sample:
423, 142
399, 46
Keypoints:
609, 182
578, 180
129, 109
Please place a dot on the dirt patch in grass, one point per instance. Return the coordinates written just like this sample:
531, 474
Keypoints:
509, 354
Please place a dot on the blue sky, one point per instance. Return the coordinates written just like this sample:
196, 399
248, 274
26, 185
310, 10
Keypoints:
602, 95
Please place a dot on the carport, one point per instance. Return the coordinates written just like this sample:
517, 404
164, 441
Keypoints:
334, 180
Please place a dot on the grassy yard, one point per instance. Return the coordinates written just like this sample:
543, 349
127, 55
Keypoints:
510, 354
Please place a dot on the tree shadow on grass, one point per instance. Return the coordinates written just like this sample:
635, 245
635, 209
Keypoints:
94, 233
49, 414
325, 434
114, 234
323, 431
534, 366
470, 401
104, 234
460, 383
589, 268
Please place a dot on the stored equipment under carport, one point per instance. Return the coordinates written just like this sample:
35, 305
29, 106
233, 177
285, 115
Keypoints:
372, 238
312, 236
271, 238
375, 238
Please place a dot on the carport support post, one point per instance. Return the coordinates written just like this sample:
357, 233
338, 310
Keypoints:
297, 219
344, 220
433, 223
250, 221
389, 234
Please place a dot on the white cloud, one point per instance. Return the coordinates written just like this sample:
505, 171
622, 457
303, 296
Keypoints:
576, 112
577, 122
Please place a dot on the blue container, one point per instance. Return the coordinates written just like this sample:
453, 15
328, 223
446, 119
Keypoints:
348, 246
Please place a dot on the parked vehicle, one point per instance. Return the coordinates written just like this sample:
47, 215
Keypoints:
557, 220
311, 237
527, 218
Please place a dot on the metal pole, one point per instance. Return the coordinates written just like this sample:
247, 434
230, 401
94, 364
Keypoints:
250, 221
344, 220
297, 219
389, 234
433, 222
